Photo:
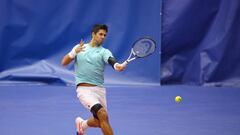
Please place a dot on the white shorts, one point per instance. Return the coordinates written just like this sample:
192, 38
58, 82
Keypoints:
89, 96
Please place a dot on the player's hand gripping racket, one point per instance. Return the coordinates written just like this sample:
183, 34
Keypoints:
141, 48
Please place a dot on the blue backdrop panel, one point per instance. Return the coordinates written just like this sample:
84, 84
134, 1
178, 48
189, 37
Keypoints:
35, 35
200, 42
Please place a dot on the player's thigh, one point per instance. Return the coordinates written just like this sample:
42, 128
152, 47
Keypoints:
102, 97
87, 97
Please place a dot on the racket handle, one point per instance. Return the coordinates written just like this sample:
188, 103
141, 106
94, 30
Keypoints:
125, 63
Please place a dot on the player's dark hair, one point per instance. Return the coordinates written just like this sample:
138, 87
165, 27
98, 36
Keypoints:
98, 27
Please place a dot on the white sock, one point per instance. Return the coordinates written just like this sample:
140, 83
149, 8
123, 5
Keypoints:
85, 125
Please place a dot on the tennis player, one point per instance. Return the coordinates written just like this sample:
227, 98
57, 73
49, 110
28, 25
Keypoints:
90, 60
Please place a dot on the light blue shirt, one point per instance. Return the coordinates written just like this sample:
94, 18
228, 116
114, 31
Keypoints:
90, 64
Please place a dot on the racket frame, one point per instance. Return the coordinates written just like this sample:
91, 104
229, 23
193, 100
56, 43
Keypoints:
130, 58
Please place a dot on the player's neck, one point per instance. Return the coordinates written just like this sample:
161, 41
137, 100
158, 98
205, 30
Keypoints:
93, 43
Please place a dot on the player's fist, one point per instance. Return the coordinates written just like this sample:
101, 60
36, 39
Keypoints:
119, 67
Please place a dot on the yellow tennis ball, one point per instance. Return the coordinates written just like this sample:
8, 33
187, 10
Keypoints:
178, 99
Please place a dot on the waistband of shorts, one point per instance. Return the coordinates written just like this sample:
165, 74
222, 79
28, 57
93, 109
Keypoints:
86, 85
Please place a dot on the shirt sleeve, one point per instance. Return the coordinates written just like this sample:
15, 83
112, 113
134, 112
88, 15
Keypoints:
106, 55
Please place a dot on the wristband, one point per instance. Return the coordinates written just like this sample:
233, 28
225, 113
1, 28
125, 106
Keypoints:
115, 66
72, 54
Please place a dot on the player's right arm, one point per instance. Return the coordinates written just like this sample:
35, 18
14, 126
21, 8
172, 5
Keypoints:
72, 54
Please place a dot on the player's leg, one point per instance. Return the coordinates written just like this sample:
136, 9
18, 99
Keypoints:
87, 99
100, 113
94, 99
93, 122
104, 122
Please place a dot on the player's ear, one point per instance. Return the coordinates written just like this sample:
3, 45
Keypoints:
93, 34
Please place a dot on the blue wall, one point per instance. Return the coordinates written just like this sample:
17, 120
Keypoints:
34, 36
201, 42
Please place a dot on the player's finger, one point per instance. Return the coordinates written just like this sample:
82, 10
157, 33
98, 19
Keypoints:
81, 42
82, 48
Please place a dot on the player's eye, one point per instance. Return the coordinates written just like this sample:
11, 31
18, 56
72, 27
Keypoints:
101, 34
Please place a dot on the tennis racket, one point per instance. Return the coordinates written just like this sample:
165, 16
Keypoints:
141, 48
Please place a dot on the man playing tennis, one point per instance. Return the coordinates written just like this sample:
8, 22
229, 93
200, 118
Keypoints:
90, 60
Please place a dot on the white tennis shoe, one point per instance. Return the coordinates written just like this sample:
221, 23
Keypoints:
80, 130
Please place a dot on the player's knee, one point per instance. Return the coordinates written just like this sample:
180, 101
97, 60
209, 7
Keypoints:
95, 109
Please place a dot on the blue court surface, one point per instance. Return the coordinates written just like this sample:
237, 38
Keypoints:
133, 110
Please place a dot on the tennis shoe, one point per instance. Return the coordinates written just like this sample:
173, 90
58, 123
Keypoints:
80, 130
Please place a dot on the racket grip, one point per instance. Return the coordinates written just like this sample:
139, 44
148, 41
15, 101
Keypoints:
125, 63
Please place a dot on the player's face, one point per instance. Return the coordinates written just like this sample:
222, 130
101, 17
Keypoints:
99, 37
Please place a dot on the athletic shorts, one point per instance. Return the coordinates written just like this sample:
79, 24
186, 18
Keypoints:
89, 96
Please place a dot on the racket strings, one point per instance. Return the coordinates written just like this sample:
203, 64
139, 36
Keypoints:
144, 47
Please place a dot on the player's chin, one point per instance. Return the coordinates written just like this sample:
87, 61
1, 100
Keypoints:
101, 41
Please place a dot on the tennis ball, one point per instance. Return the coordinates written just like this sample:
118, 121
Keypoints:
178, 99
